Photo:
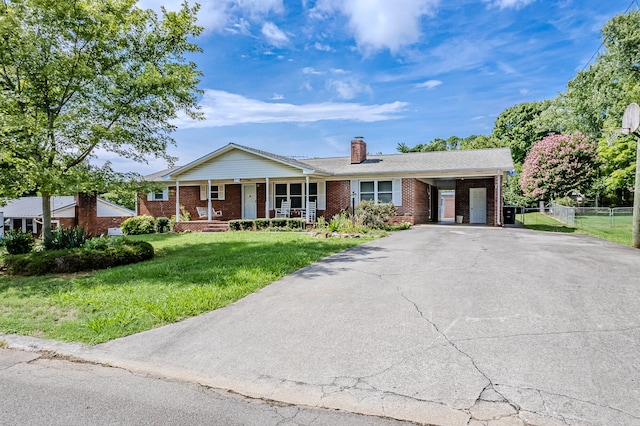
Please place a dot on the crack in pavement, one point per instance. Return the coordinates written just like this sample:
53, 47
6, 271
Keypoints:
453, 345
551, 333
595, 404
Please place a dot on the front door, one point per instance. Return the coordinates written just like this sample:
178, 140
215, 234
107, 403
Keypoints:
478, 205
249, 202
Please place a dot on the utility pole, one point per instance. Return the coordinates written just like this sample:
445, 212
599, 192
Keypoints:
630, 124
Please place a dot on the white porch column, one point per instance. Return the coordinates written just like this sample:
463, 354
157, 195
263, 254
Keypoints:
177, 201
306, 207
266, 202
209, 200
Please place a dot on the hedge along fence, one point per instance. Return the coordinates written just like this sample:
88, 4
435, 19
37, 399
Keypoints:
99, 255
279, 224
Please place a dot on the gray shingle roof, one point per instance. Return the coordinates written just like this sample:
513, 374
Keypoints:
421, 162
428, 163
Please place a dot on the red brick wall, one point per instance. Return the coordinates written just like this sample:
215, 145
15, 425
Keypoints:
338, 198
415, 202
462, 198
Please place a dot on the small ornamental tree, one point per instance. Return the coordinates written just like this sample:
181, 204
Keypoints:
559, 164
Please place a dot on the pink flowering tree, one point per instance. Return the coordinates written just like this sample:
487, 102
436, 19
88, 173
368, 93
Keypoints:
558, 165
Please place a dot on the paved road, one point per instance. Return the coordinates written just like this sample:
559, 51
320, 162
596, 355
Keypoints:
450, 325
39, 390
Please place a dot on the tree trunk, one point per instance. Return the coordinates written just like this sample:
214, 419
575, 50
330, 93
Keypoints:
46, 217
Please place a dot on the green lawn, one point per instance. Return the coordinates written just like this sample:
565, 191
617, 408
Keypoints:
597, 226
191, 274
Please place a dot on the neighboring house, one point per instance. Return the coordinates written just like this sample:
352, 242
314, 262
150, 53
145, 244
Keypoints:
241, 182
94, 214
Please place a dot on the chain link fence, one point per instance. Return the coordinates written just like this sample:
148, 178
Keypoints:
585, 217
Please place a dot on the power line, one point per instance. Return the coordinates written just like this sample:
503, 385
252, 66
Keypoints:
605, 40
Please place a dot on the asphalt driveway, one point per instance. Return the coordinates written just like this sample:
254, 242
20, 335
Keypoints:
438, 324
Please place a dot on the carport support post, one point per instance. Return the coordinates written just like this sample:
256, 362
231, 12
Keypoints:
635, 231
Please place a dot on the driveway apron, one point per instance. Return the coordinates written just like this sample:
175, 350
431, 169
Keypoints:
448, 325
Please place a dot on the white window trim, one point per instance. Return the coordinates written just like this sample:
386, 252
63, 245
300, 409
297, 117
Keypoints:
221, 191
396, 189
321, 203
152, 195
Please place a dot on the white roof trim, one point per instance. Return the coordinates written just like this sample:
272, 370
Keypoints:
172, 176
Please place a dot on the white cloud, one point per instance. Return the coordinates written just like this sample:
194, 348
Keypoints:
274, 35
277, 97
348, 89
221, 15
506, 68
310, 70
429, 84
379, 24
322, 47
222, 108
508, 4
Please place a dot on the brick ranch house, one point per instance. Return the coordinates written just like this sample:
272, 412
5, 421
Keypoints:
93, 213
240, 182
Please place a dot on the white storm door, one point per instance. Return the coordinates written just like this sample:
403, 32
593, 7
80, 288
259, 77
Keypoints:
478, 205
249, 201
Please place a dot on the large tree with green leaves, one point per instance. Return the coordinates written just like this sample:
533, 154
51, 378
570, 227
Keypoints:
79, 76
517, 127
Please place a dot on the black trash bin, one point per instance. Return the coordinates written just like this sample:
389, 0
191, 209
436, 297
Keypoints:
509, 215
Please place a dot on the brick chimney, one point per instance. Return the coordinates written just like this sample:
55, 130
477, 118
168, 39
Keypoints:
87, 212
358, 150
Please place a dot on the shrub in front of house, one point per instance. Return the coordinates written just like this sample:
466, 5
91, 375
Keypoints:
297, 224
99, 253
65, 238
278, 222
372, 215
261, 224
18, 242
162, 225
138, 225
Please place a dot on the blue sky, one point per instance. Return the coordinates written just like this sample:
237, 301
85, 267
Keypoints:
302, 78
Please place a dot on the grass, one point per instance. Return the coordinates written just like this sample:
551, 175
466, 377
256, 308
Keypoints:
191, 274
596, 226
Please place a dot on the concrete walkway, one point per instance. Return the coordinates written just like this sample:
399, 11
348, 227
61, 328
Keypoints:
447, 325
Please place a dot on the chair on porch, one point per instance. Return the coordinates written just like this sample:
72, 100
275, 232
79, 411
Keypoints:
312, 211
284, 210
202, 212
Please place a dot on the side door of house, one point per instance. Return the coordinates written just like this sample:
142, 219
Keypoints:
249, 201
478, 205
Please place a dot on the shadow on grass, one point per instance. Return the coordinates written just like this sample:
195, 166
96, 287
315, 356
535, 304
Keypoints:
552, 228
206, 262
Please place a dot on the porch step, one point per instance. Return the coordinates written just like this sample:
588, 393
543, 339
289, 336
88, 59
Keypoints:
217, 227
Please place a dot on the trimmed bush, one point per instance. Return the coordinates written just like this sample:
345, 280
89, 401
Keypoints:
278, 222
138, 225
296, 224
261, 224
234, 225
65, 238
18, 242
246, 224
96, 255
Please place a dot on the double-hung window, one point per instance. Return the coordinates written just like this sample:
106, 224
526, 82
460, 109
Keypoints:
158, 195
295, 193
217, 192
376, 190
